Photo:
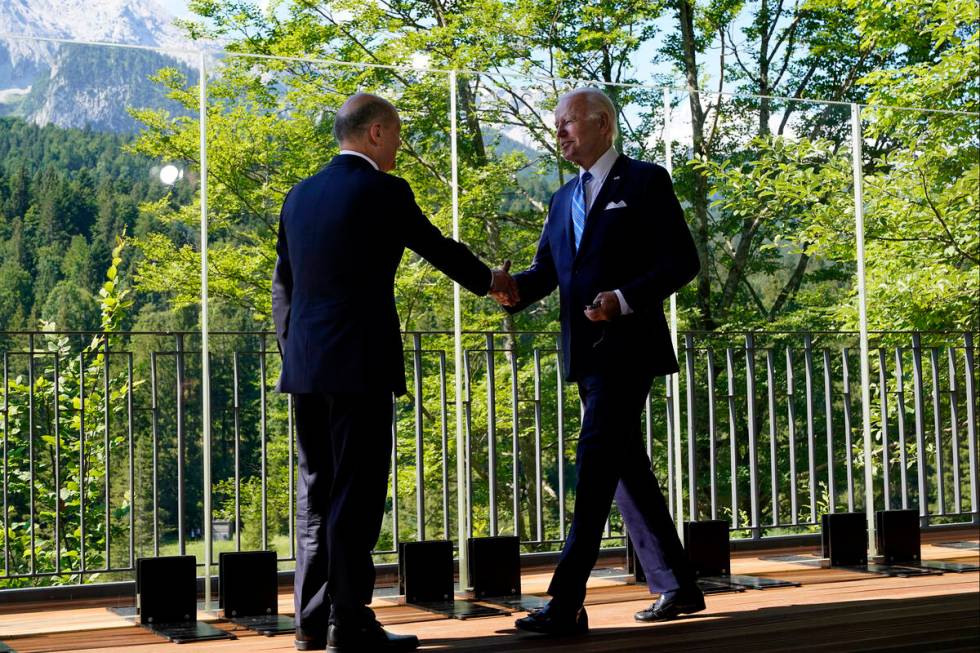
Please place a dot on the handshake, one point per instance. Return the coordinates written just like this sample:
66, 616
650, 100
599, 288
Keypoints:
503, 288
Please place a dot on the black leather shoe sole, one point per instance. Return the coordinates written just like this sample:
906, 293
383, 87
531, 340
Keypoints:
310, 645
669, 612
531, 625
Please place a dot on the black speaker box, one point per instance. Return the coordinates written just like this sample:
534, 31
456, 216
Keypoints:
708, 548
495, 565
844, 538
249, 583
425, 571
166, 589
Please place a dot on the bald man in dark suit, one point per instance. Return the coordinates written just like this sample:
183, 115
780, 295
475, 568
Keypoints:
342, 233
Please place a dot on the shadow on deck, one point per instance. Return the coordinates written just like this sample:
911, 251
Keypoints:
832, 610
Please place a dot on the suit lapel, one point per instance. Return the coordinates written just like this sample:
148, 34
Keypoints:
562, 219
610, 188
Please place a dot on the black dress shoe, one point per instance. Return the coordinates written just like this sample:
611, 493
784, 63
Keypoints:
307, 641
342, 638
555, 621
686, 600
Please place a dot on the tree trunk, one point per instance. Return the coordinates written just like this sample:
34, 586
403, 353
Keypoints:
699, 199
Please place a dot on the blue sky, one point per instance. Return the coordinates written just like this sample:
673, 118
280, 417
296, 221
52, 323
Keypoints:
176, 7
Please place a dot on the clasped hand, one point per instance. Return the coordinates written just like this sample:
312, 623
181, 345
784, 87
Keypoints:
604, 307
503, 289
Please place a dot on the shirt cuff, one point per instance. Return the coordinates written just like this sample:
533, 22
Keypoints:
624, 308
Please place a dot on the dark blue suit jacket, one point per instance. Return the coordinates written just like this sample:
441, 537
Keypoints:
342, 233
643, 249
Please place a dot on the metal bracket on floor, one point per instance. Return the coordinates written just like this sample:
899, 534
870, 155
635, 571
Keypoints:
895, 571
948, 566
166, 600
717, 585
708, 549
456, 609
425, 577
495, 571
248, 593
899, 543
751, 582
519, 602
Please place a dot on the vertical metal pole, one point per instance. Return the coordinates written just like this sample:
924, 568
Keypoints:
753, 434
732, 433
869, 488
937, 432
263, 448
712, 438
444, 427
515, 442
82, 565
791, 425
920, 437
810, 434
538, 497
236, 409
181, 544
900, 418
31, 381
205, 362
419, 439
885, 453
560, 456
491, 435
954, 430
773, 448
674, 379
692, 497
291, 457
462, 507
131, 490
394, 475
57, 463
971, 424
154, 454
828, 404
848, 430
106, 451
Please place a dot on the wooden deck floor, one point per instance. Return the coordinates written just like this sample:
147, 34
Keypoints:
833, 610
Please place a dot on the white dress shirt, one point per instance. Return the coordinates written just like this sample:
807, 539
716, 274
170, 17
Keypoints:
600, 170
363, 156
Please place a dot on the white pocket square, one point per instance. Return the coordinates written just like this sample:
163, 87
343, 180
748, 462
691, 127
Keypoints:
616, 205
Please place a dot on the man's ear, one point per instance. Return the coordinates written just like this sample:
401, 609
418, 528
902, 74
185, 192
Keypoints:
605, 122
374, 133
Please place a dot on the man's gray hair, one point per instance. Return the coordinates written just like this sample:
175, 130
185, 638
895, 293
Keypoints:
359, 112
599, 103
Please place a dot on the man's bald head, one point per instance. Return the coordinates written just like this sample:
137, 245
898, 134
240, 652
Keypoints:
358, 113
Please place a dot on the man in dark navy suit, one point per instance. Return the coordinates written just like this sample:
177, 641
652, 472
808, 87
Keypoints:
342, 233
615, 244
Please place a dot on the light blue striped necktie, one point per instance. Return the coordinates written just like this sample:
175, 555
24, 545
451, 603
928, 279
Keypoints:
578, 207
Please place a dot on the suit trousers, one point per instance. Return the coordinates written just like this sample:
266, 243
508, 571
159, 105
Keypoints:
611, 462
345, 445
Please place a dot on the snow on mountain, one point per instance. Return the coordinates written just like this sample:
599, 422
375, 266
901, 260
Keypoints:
73, 85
